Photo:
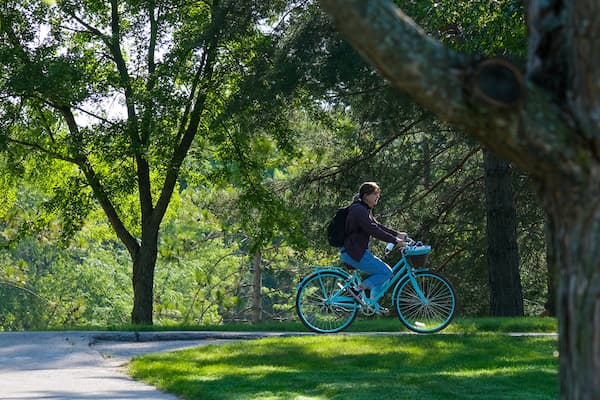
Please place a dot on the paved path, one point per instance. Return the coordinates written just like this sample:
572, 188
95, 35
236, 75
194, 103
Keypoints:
88, 365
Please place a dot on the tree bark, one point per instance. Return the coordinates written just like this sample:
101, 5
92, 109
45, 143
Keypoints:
426, 164
551, 130
552, 265
144, 264
506, 295
257, 308
575, 215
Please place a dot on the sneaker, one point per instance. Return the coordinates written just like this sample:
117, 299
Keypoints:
379, 310
355, 292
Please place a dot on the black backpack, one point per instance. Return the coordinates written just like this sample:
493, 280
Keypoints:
336, 230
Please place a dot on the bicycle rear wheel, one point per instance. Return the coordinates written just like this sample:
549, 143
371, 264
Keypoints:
431, 313
322, 305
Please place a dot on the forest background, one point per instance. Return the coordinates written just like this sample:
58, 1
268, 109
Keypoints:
294, 121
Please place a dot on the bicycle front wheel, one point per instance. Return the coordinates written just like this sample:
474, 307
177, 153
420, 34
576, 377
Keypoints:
322, 305
427, 307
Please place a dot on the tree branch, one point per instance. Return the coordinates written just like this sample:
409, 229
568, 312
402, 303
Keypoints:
338, 169
41, 149
91, 114
532, 133
191, 129
143, 168
112, 42
451, 172
151, 82
23, 288
100, 194
91, 29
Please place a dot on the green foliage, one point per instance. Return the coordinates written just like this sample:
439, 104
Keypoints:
204, 268
44, 286
489, 28
179, 71
430, 175
292, 122
199, 265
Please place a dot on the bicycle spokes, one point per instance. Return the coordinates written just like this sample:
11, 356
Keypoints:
427, 306
322, 305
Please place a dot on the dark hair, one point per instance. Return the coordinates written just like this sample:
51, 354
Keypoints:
367, 188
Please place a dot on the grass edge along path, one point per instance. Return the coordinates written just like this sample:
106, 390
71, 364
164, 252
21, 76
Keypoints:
488, 367
377, 324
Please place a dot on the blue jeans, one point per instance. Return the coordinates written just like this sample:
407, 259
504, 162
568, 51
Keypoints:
379, 272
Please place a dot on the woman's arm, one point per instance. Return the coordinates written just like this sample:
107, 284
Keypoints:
368, 224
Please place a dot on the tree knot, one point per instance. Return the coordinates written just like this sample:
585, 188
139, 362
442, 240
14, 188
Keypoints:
498, 83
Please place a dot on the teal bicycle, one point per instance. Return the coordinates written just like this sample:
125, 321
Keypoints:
424, 300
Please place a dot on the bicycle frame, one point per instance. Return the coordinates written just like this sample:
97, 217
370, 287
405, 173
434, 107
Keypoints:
424, 300
339, 297
401, 271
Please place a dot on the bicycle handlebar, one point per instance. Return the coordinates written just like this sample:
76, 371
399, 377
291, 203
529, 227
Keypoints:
408, 242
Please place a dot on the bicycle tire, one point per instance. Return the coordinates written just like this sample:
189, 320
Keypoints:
435, 313
322, 306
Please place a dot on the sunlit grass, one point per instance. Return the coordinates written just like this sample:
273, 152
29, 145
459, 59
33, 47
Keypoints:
362, 367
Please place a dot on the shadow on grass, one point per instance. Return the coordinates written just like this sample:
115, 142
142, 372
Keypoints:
335, 367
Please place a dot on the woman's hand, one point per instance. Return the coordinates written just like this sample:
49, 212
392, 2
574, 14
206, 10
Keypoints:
401, 238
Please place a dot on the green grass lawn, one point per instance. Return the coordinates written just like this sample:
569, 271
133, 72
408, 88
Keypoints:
459, 366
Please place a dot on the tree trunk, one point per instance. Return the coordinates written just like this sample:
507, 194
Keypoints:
506, 296
144, 264
257, 308
426, 164
576, 240
552, 278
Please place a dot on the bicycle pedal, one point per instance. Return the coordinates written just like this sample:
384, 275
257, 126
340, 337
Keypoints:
354, 293
376, 308
382, 310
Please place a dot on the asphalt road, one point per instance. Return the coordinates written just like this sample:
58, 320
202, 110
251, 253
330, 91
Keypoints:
88, 365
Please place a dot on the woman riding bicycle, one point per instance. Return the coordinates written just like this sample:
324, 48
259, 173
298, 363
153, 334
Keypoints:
360, 227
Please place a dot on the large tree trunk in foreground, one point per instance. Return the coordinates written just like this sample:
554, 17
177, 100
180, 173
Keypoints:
576, 241
547, 123
550, 309
506, 296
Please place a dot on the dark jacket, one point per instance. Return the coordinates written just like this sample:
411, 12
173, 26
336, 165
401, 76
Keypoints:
360, 226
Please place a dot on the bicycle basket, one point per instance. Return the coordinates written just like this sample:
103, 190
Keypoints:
417, 262
417, 256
